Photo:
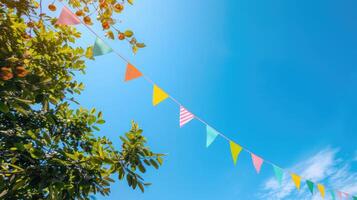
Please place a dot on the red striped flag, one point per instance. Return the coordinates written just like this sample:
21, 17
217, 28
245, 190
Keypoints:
185, 116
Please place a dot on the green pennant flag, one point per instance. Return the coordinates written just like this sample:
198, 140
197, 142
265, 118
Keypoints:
211, 135
310, 184
278, 173
354, 198
333, 197
100, 48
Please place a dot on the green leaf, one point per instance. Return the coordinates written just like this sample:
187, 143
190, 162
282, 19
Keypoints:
96, 128
23, 101
142, 168
128, 33
53, 100
129, 179
135, 49
153, 163
100, 114
31, 134
159, 159
140, 45
3, 107
141, 187
110, 35
89, 53
100, 121
35, 153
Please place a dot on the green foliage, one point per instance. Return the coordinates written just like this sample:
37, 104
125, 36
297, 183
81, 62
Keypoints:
48, 150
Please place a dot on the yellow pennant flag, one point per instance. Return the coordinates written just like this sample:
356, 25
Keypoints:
158, 95
296, 180
235, 150
321, 189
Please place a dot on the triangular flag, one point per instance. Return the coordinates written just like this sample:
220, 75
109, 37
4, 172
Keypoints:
67, 17
354, 198
100, 48
310, 185
321, 189
333, 197
185, 116
211, 135
257, 162
235, 150
158, 95
346, 195
131, 73
340, 195
278, 174
296, 180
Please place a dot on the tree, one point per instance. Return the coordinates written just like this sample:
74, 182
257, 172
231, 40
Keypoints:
48, 150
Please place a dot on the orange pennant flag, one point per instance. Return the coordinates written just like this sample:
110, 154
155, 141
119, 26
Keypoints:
131, 73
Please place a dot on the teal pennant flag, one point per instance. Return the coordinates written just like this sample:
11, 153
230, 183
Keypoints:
354, 198
310, 185
333, 197
211, 135
278, 173
100, 48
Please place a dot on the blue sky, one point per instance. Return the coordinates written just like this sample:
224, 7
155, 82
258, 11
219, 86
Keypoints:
276, 76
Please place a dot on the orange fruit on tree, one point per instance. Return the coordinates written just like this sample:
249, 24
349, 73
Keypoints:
105, 25
103, 4
79, 13
6, 73
21, 71
87, 20
118, 7
52, 7
121, 36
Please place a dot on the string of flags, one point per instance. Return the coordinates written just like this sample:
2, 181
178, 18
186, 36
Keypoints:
159, 95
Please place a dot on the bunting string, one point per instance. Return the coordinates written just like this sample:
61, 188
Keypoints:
101, 47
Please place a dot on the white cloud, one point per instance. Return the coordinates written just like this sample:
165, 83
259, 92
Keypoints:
323, 167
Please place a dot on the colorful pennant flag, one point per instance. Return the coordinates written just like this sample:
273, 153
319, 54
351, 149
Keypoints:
100, 48
310, 185
67, 17
333, 197
235, 150
340, 195
211, 135
158, 95
257, 162
131, 72
296, 180
278, 174
321, 189
346, 195
185, 116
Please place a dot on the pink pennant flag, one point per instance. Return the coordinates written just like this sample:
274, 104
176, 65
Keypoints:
67, 17
257, 162
340, 194
185, 116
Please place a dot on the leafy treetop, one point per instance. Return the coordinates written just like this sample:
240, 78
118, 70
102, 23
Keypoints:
48, 149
